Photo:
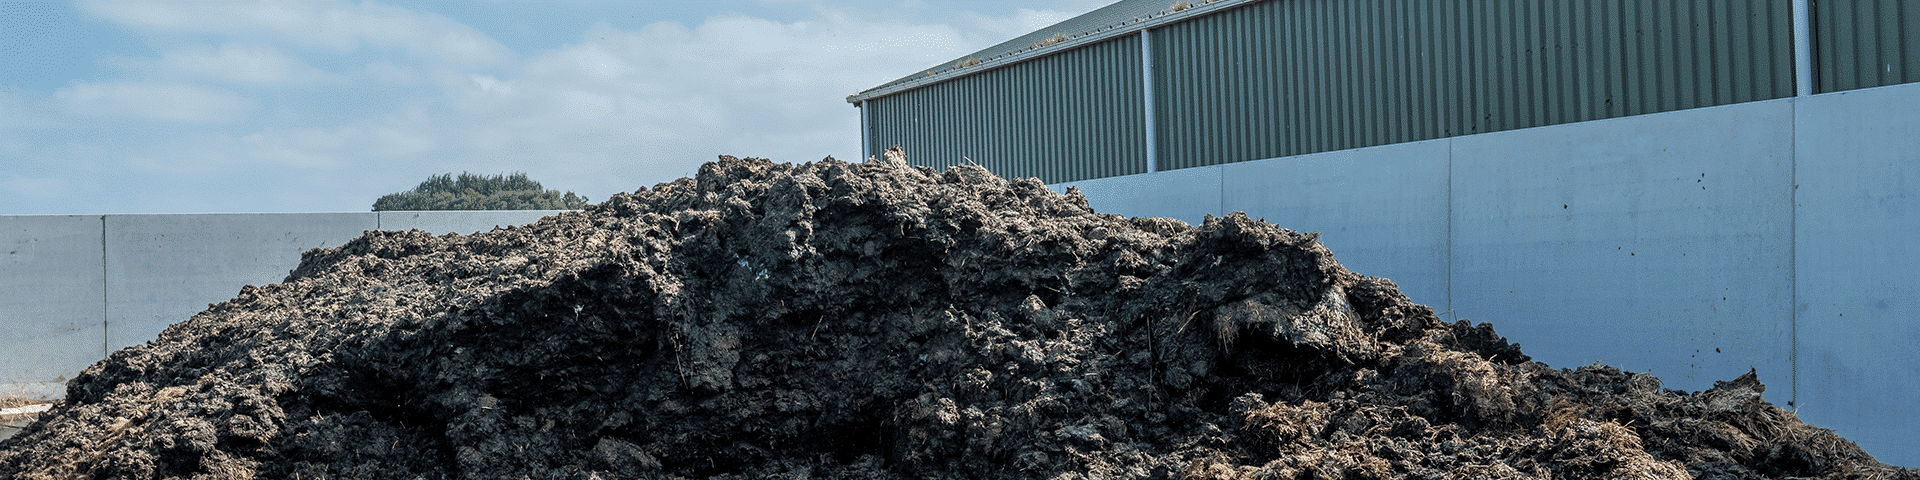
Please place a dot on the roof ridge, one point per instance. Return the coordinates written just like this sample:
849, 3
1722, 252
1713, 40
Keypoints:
1119, 18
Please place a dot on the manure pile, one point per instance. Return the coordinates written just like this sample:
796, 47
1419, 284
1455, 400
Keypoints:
873, 320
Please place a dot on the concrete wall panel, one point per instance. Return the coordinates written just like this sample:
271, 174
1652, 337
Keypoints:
50, 315
1382, 210
1858, 256
1188, 194
162, 269
1656, 243
461, 222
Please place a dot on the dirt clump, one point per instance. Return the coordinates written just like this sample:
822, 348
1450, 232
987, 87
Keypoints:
873, 320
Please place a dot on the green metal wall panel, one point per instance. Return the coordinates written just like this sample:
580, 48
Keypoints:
1865, 43
1277, 78
1074, 115
1290, 77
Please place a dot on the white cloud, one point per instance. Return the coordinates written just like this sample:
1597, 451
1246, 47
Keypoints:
257, 64
19, 110
744, 65
491, 85
619, 109
341, 26
306, 150
393, 74
163, 101
622, 108
626, 108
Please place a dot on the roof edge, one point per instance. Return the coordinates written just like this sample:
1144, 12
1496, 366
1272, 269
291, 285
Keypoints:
962, 68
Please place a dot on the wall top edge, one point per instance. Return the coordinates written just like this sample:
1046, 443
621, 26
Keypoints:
1897, 86
49, 215
383, 212
180, 213
1780, 102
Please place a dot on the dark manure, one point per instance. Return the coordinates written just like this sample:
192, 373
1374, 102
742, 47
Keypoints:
873, 320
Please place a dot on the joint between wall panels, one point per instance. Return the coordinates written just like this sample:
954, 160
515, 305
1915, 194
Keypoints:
1448, 278
1793, 251
103, 288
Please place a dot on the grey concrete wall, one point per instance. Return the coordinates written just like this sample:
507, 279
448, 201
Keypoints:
73, 288
1777, 236
1857, 258
162, 269
1186, 194
1658, 243
1374, 207
50, 313
461, 222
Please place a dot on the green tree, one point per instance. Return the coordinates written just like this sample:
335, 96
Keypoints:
479, 192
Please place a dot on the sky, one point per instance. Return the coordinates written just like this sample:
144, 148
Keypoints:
323, 106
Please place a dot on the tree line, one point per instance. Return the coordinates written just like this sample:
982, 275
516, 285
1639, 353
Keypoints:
480, 192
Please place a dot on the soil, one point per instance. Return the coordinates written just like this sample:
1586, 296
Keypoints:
874, 320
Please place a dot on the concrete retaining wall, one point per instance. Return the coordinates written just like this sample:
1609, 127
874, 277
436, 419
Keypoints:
52, 317
1857, 264
1778, 236
80, 286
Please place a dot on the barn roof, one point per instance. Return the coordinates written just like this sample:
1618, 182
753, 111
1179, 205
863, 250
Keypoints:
1120, 18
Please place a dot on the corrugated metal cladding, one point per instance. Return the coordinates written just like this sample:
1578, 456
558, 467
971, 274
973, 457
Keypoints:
1865, 43
1282, 78
1074, 115
1245, 80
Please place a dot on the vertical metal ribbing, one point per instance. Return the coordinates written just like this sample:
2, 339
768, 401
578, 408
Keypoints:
1835, 19
1802, 49
1716, 49
1270, 79
1146, 89
886, 128
1426, 40
862, 109
1740, 50
1346, 37
1459, 55
1688, 67
879, 124
1910, 36
1888, 44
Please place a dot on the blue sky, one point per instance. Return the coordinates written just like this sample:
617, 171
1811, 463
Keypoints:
323, 106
